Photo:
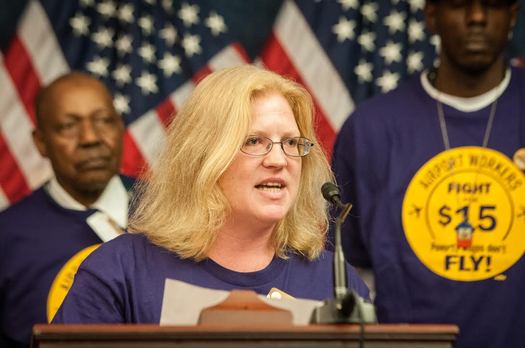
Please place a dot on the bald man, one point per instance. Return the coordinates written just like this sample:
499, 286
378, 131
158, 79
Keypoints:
84, 204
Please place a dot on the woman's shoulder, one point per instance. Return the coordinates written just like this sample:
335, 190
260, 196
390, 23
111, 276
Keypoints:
124, 250
125, 241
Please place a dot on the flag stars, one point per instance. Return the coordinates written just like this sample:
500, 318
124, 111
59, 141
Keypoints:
344, 29
146, 24
170, 64
147, 83
395, 21
103, 38
436, 42
86, 3
216, 23
191, 44
388, 81
369, 11
124, 44
98, 66
189, 14
347, 4
80, 24
125, 13
169, 34
415, 31
121, 103
391, 52
414, 62
366, 40
122, 75
416, 5
147, 52
106, 9
363, 70
167, 5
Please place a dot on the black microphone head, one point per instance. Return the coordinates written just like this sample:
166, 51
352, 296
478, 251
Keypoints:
331, 193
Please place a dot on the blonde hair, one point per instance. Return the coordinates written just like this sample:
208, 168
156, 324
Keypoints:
181, 205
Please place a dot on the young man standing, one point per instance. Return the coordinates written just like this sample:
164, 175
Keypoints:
439, 205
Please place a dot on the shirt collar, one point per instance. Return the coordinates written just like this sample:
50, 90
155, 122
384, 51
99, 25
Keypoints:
466, 104
113, 201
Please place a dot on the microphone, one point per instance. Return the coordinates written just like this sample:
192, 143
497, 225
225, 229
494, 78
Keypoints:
346, 306
331, 193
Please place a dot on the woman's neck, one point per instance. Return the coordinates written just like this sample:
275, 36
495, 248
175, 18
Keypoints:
243, 249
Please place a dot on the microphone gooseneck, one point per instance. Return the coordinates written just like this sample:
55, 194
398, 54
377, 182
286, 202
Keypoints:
332, 194
346, 306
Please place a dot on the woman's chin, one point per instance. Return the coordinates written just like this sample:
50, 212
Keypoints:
272, 215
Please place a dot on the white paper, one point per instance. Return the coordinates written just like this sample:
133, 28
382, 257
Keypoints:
183, 302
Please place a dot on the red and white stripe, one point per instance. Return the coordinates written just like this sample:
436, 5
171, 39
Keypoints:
294, 51
149, 130
33, 58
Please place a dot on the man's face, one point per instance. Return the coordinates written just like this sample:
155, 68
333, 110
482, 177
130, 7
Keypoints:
473, 33
81, 134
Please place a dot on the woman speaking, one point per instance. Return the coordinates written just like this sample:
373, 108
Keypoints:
233, 202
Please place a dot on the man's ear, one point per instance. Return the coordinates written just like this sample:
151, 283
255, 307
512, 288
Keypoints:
38, 140
514, 11
430, 16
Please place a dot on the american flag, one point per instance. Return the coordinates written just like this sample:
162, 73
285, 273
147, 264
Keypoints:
348, 50
151, 53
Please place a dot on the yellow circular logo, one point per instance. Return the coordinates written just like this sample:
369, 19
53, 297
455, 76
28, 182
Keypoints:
64, 280
464, 214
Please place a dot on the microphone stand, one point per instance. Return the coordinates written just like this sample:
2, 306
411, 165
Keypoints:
339, 258
339, 310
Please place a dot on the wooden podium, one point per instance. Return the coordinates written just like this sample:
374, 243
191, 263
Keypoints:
243, 320
205, 336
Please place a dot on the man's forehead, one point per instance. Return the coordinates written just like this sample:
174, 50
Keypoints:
76, 88
75, 95
79, 81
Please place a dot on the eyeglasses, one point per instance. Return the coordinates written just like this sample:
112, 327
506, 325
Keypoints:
258, 145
